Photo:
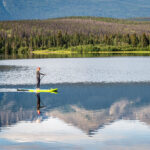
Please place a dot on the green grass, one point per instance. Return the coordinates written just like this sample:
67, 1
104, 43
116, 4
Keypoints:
94, 49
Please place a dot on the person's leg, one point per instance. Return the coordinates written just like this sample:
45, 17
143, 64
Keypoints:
38, 85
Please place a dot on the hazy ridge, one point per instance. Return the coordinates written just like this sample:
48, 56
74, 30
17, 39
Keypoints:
36, 9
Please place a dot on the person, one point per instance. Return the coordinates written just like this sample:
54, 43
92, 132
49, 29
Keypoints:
38, 78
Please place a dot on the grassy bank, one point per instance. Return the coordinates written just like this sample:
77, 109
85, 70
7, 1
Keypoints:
94, 49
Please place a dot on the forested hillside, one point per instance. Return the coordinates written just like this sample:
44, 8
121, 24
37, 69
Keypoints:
26, 36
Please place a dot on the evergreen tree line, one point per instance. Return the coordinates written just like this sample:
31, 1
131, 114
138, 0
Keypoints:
21, 42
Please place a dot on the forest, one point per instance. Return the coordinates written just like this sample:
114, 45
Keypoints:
20, 37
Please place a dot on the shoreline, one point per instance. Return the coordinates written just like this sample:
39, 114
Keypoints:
93, 49
46, 52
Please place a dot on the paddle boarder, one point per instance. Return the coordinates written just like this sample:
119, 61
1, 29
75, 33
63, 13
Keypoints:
38, 77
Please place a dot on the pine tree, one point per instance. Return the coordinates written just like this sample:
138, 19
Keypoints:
134, 40
144, 41
59, 39
127, 39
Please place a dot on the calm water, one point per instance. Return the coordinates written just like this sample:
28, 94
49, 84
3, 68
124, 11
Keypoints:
102, 103
76, 70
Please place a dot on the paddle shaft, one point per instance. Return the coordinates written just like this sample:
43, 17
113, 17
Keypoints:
42, 77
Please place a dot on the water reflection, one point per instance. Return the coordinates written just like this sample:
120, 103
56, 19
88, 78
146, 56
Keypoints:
38, 103
79, 114
73, 55
89, 107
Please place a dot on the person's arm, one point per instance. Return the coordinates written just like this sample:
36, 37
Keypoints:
42, 74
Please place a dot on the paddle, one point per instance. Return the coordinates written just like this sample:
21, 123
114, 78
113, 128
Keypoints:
42, 76
22, 90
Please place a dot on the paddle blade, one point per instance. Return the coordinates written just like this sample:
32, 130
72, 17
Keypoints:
22, 90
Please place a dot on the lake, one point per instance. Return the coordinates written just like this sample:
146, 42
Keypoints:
102, 103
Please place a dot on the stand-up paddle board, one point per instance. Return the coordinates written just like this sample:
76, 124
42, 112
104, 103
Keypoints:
39, 90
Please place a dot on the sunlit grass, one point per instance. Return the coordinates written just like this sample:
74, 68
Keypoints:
125, 49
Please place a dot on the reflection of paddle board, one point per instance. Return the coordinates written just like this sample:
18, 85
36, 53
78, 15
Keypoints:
39, 91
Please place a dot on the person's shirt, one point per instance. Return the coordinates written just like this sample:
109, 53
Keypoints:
38, 75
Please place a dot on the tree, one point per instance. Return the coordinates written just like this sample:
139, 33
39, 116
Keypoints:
144, 41
134, 40
127, 39
59, 39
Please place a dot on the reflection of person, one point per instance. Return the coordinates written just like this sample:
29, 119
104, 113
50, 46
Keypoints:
38, 103
38, 73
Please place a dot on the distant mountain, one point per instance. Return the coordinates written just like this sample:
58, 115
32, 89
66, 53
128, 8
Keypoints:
42, 9
4, 15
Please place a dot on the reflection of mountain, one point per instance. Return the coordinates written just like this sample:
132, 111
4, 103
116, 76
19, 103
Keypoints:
89, 121
14, 109
9, 117
88, 107
84, 119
